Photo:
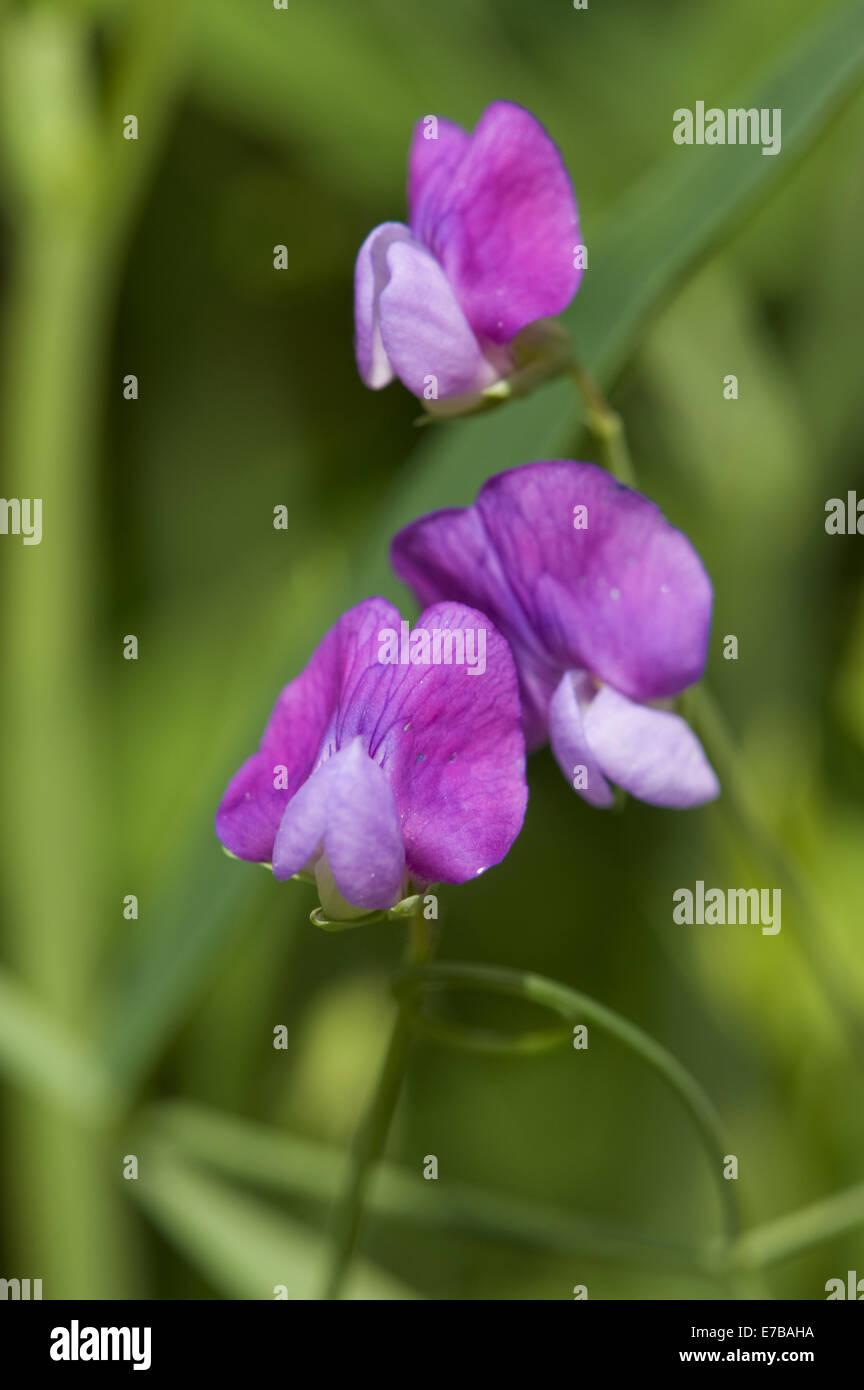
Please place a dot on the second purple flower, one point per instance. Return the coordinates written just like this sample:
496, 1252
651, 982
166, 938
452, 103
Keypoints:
607, 609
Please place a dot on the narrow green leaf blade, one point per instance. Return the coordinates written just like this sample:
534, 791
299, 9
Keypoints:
36, 1052
246, 1248
660, 232
301, 1167
678, 215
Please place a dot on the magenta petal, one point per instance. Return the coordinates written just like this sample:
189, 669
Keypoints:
347, 809
252, 807
435, 154
570, 742
649, 752
456, 756
250, 811
448, 555
371, 274
425, 334
503, 223
627, 598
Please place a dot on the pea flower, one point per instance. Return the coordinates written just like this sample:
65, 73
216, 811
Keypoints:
384, 766
607, 609
492, 246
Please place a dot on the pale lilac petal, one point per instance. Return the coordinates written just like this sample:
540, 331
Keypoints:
300, 729
502, 221
627, 598
425, 333
455, 755
300, 837
569, 740
651, 753
371, 274
347, 809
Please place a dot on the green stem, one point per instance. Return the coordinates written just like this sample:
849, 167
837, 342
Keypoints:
742, 808
372, 1132
739, 801
801, 1230
64, 1215
66, 223
575, 1007
606, 426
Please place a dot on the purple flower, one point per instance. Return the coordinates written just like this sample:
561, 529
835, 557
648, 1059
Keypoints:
489, 250
390, 760
606, 607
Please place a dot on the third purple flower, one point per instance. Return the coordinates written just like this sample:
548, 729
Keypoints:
607, 609
490, 249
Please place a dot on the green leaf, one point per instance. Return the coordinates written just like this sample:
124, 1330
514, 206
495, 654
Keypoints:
679, 215
313, 1171
203, 898
800, 1230
36, 1052
660, 232
342, 83
211, 905
244, 1247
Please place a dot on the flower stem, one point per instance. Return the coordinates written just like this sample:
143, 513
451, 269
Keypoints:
743, 810
790, 1235
606, 426
371, 1135
740, 803
575, 1007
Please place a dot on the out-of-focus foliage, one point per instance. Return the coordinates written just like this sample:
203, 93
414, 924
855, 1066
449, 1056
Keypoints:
154, 1036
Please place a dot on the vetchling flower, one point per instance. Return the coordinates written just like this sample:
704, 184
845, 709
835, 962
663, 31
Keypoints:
490, 249
606, 607
381, 771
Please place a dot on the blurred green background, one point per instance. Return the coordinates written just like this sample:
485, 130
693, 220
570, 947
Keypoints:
153, 1036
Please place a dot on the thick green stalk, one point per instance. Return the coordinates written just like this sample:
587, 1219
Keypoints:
65, 1212
68, 207
63, 1216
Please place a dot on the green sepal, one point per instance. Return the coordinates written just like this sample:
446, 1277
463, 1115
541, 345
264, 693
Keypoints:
406, 907
317, 918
